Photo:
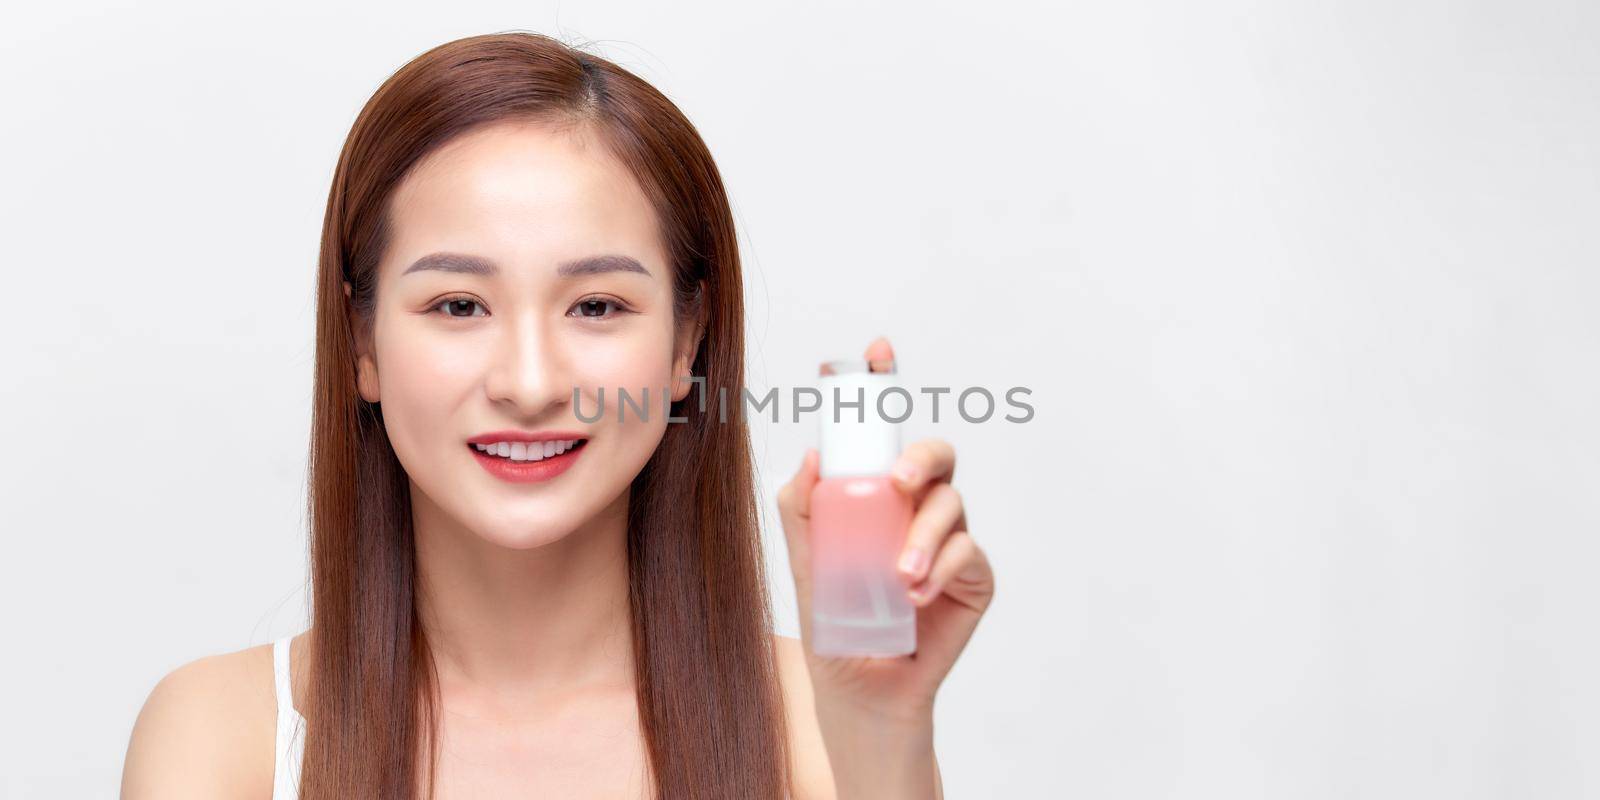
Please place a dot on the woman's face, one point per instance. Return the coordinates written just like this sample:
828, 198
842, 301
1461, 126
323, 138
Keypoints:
499, 337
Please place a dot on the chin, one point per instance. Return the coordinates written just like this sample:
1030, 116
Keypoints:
522, 537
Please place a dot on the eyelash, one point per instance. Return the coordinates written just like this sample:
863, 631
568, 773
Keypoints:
617, 305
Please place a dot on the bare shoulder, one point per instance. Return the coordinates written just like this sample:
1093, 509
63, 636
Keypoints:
206, 730
813, 777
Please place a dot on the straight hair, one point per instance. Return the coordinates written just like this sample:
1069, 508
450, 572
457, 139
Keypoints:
710, 708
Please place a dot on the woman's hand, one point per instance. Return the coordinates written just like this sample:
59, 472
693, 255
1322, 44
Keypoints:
885, 705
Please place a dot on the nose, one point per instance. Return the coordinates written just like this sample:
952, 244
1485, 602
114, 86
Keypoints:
528, 371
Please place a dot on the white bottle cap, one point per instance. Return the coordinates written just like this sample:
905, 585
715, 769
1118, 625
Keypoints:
857, 434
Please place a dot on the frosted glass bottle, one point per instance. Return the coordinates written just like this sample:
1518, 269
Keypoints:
859, 519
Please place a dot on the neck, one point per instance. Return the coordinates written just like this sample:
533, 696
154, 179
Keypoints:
515, 628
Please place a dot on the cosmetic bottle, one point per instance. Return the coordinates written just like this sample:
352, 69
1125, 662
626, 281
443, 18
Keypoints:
858, 517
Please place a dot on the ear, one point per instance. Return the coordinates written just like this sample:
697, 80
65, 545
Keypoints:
366, 363
691, 334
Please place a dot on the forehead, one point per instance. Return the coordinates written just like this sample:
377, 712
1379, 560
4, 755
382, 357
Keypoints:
526, 195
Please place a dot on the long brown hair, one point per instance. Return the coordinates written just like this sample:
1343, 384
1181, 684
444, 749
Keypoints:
710, 709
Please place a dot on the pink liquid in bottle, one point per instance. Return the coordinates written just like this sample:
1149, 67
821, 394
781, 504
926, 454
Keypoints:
859, 521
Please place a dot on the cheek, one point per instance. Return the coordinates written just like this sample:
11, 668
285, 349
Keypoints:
634, 357
639, 361
422, 378
424, 366
632, 365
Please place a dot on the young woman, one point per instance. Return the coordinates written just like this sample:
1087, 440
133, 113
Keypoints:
513, 226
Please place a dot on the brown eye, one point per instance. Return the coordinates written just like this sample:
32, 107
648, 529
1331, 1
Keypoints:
459, 307
595, 308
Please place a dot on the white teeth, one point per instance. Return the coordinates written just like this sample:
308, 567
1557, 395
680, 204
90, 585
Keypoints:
528, 451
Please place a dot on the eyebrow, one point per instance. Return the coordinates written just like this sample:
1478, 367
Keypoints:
477, 265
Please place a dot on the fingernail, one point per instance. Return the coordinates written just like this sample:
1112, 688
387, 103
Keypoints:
913, 562
921, 592
905, 472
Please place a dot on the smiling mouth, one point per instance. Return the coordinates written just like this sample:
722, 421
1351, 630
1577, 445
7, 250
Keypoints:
525, 452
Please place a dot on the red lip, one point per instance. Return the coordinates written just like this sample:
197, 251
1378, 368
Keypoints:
527, 471
524, 436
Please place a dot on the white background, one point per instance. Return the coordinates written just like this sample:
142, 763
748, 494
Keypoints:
1305, 293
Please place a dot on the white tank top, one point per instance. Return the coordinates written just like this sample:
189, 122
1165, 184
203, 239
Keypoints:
291, 728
